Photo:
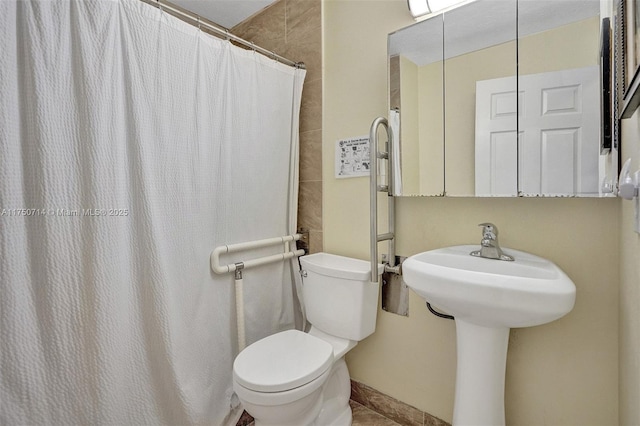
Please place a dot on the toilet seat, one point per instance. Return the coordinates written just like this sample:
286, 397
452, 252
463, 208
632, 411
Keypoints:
282, 362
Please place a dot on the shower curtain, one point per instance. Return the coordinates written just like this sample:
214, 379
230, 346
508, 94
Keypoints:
131, 145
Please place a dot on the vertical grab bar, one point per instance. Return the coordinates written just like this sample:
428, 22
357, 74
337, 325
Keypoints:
374, 155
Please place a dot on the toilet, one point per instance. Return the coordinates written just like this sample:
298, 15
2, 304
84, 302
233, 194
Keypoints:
296, 378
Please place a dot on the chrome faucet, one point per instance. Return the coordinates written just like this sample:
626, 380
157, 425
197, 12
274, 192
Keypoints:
490, 248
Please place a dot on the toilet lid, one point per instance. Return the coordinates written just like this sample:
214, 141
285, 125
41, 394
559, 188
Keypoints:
282, 361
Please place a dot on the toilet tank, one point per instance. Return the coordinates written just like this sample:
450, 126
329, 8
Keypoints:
338, 296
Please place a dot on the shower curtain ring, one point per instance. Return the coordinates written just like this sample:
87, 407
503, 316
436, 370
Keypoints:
227, 33
199, 29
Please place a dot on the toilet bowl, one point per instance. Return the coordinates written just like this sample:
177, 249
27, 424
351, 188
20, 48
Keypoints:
296, 378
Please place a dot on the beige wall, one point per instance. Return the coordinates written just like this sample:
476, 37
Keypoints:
562, 373
461, 75
431, 99
630, 288
409, 135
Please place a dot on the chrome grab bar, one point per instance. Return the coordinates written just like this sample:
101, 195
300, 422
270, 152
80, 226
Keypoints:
374, 188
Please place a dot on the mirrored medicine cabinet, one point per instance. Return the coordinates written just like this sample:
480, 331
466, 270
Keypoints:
504, 98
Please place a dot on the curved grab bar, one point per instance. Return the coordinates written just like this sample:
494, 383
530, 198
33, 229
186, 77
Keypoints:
374, 155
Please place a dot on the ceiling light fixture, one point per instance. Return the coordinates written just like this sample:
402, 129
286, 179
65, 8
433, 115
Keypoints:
420, 8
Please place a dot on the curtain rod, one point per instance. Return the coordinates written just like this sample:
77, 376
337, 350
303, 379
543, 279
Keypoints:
202, 22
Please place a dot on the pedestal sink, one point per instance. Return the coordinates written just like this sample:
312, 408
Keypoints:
487, 297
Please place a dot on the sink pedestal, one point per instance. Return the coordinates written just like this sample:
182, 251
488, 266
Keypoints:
480, 374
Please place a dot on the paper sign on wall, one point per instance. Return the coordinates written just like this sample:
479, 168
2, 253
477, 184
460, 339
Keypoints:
352, 157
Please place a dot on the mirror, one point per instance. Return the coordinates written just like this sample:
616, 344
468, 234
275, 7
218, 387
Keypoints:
559, 84
480, 47
500, 98
416, 83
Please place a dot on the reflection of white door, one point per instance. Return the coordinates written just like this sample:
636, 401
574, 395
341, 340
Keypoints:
559, 138
496, 147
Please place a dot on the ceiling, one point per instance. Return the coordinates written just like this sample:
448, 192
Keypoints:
227, 13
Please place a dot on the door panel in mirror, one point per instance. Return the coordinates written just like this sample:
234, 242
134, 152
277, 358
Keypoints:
496, 150
560, 137
559, 85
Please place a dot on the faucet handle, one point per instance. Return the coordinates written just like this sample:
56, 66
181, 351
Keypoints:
489, 230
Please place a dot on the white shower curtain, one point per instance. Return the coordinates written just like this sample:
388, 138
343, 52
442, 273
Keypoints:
131, 145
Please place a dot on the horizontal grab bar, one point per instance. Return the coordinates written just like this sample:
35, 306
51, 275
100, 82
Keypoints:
384, 237
234, 248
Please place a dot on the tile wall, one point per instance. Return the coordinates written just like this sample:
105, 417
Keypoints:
379, 404
293, 29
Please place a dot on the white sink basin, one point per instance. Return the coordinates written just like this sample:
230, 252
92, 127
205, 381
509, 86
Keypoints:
487, 297
526, 292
